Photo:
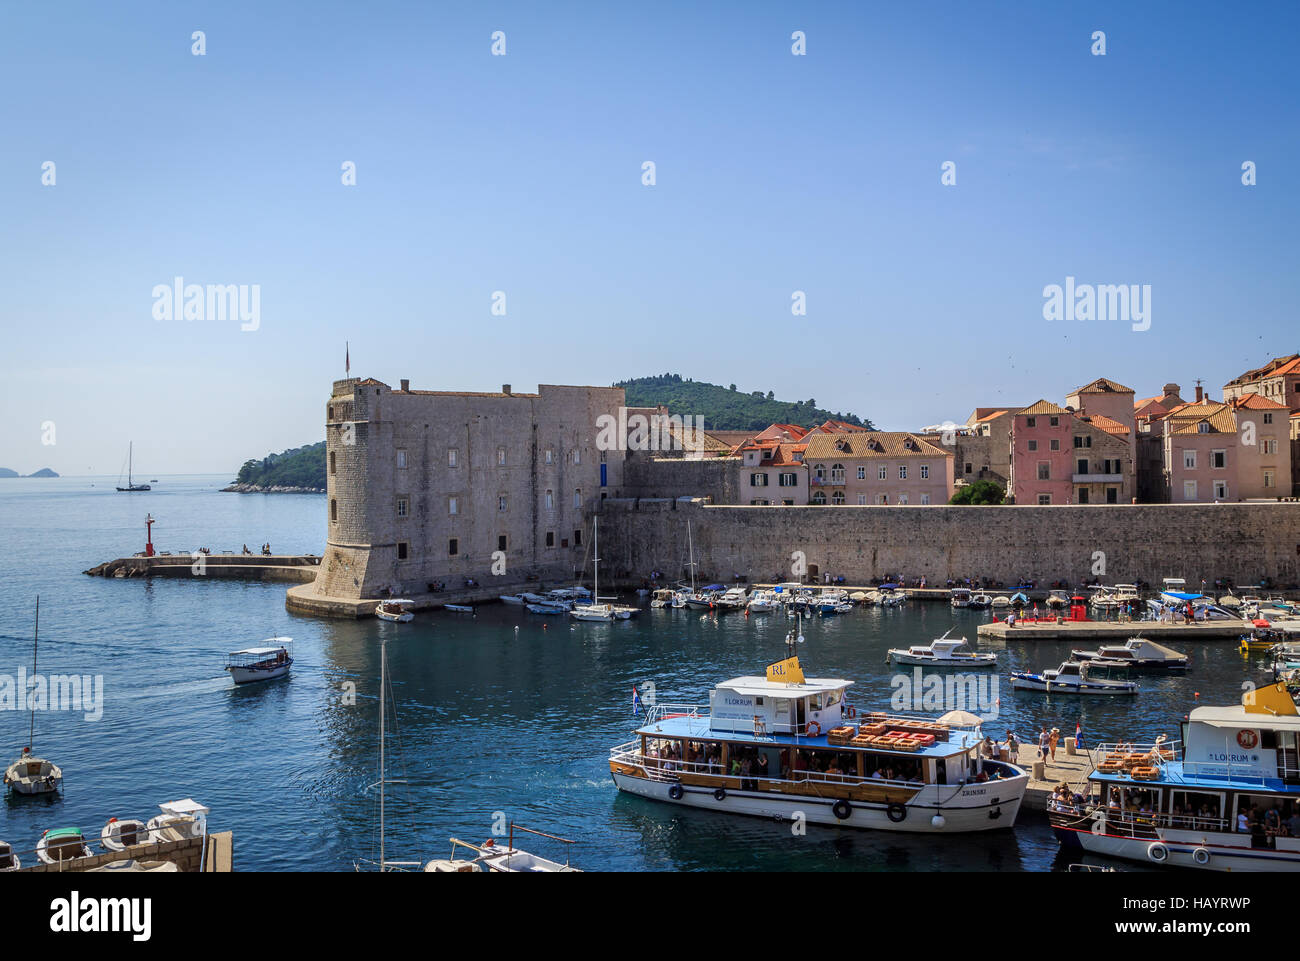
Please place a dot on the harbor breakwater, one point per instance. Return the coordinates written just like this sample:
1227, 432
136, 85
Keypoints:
1118, 543
261, 567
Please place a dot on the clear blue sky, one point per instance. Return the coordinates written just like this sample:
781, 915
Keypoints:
522, 173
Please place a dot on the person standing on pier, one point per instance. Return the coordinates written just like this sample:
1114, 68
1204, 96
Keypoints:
1052, 740
1042, 742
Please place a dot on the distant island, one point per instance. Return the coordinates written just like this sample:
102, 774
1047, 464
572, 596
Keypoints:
43, 472
300, 470
727, 408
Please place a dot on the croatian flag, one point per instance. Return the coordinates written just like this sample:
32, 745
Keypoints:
636, 700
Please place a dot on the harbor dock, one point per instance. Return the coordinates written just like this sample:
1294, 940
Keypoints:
1116, 632
1071, 768
257, 567
187, 854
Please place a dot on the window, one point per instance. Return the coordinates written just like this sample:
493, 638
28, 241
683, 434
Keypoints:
1044, 470
577, 497
862, 473
862, 499
1033, 445
758, 502
1189, 490
1044, 499
332, 465
1220, 490
1056, 443
1081, 495
1203, 427
453, 547
882, 498
786, 502
968, 467
550, 538
401, 459
1268, 478
1054, 421
1031, 421
451, 457
577, 538
925, 498
757, 480
1269, 446
1112, 495
902, 498
925, 472
1082, 440
550, 500
501, 457
577, 457
1081, 467
902, 472
819, 497
453, 505
334, 510
549, 455
1189, 459
837, 498
501, 502
882, 472
501, 542
820, 471
329, 413
1268, 418
402, 549
787, 480
837, 474
401, 506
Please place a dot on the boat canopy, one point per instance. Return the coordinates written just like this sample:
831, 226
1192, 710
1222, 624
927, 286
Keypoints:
714, 587
762, 687
256, 651
1183, 597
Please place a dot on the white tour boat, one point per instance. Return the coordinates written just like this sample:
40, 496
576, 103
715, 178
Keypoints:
1070, 678
260, 663
785, 746
1214, 801
396, 609
943, 652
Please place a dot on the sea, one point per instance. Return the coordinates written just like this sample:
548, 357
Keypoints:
494, 718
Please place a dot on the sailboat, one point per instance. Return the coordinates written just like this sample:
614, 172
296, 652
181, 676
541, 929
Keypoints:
384, 864
30, 774
594, 611
131, 486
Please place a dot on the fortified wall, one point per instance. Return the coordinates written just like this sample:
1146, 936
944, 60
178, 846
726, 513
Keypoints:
1244, 542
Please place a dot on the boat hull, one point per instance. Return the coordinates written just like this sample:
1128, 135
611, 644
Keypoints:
956, 663
990, 806
1221, 852
1033, 682
249, 675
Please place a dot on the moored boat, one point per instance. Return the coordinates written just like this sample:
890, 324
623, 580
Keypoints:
785, 746
395, 609
30, 774
943, 652
8, 860
1215, 801
504, 859
118, 835
60, 845
260, 663
1071, 677
1137, 653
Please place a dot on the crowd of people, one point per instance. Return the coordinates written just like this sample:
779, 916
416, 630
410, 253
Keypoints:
752, 764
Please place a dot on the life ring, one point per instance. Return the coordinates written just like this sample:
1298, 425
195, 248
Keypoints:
1201, 856
814, 729
853, 711
720, 794
896, 812
842, 809
675, 792
1157, 852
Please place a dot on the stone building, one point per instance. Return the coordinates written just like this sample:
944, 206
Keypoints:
1227, 452
440, 486
1059, 456
1278, 381
876, 467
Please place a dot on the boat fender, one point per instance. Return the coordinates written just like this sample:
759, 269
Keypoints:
720, 794
1157, 852
814, 729
842, 809
1201, 856
995, 814
675, 792
896, 812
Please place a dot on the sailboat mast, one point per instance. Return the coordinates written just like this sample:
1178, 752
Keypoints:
691, 544
595, 560
383, 683
130, 463
31, 733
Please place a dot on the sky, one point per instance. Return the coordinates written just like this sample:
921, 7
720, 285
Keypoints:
523, 174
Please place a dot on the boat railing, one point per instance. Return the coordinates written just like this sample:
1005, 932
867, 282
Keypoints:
1133, 824
1156, 750
660, 712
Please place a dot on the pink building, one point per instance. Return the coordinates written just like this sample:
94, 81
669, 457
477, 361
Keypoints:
862, 468
1041, 455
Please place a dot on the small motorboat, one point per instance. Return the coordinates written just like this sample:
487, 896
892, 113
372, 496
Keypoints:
1001, 600
980, 602
892, 599
662, 598
504, 858
732, 599
179, 820
396, 609
260, 663
60, 845
33, 775
1262, 638
1137, 653
1058, 600
1018, 599
120, 835
515, 599
943, 652
593, 612
8, 860
1070, 678
545, 608
132, 866
459, 608
959, 597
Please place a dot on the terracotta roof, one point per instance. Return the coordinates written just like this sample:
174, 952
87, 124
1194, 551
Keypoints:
1253, 401
983, 414
1276, 366
1219, 417
1109, 424
1043, 407
1103, 386
776, 430
836, 426
873, 443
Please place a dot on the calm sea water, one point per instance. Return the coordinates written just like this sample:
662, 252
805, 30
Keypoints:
503, 714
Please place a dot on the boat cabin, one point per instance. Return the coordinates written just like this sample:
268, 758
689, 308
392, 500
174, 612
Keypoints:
753, 703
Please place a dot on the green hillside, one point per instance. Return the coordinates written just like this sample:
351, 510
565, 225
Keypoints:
299, 467
726, 408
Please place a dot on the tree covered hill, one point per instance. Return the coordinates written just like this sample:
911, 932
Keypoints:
726, 408
302, 468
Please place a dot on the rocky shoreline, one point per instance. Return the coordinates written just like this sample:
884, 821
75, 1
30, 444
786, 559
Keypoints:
273, 489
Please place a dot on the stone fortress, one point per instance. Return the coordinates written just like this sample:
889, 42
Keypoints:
434, 494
